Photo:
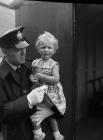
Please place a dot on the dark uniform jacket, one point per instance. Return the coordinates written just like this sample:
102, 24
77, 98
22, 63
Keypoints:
14, 109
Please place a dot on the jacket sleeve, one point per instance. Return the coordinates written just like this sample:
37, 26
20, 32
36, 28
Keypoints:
14, 110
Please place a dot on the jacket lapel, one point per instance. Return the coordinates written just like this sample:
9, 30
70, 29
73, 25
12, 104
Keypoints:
23, 77
15, 76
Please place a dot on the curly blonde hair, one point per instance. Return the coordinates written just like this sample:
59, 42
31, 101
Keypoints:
47, 39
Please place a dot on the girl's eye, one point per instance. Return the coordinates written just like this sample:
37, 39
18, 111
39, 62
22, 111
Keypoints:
42, 47
49, 47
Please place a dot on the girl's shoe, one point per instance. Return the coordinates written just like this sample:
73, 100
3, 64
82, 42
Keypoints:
40, 137
60, 137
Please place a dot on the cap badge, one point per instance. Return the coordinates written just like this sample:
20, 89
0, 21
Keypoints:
19, 35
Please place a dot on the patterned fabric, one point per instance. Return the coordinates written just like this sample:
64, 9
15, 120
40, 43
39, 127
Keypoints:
55, 91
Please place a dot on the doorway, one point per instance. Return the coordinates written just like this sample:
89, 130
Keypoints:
89, 71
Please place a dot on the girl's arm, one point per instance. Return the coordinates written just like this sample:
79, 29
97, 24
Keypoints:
54, 78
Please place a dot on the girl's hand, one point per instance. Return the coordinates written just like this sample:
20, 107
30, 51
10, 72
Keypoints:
33, 78
41, 114
40, 76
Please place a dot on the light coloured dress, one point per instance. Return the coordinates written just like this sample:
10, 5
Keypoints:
55, 91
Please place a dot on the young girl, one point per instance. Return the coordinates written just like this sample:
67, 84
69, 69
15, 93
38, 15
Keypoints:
46, 71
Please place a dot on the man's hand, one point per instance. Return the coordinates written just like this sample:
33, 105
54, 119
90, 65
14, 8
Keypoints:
36, 95
41, 114
33, 78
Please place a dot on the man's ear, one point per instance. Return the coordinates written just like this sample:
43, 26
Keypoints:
4, 50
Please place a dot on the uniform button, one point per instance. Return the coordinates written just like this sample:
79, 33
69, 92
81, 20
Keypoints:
24, 91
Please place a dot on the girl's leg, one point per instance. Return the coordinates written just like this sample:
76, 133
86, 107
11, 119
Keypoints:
38, 134
55, 130
37, 130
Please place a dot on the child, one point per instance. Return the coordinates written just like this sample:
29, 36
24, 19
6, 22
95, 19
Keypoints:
46, 72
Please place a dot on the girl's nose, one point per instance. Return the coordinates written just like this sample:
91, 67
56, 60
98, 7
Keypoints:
46, 49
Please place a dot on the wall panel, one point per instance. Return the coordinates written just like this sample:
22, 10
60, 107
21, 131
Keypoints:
57, 19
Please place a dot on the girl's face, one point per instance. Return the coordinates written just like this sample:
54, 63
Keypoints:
46, 51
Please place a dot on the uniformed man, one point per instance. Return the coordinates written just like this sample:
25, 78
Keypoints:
17, 102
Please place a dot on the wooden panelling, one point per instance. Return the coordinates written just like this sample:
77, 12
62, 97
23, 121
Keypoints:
57, 19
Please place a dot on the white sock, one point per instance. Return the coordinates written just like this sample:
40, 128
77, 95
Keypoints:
56, 133
37, 132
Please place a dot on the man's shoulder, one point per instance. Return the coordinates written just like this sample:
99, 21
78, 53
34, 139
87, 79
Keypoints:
4, 69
